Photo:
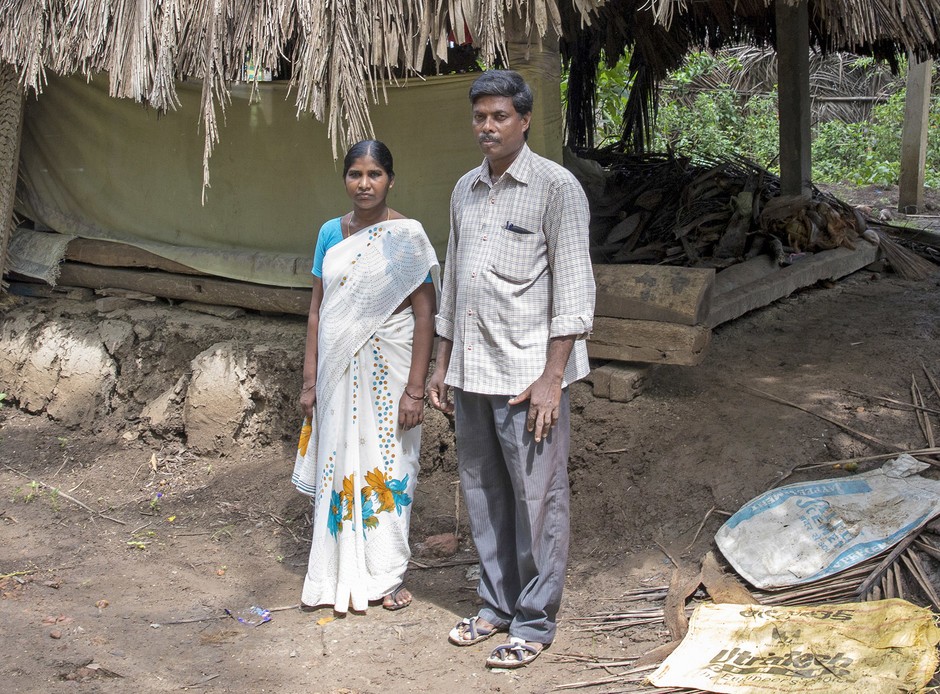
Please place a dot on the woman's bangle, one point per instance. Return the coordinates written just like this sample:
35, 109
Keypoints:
412, 396
306, 388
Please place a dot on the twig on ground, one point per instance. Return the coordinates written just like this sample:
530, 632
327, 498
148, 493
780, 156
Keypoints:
284, 525
922, 418
65, 496
700, 527
139, 528
668, 555
869, 458
930, 378
197, 619
64, 461
836, 422
295, 606
440, 565
200, 682
900, 403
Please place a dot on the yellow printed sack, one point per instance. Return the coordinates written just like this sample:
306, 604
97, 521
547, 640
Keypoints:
872, 647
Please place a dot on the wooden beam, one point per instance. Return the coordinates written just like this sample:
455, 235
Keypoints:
654, 292
793, 97
914, 136
760, 281
206, 290
646, 341
117, 254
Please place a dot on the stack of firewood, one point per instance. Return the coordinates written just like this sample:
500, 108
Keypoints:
665, 209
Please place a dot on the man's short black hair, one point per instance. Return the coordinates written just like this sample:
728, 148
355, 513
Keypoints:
506, 83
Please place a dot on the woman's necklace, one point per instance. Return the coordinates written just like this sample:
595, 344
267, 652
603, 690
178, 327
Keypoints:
348, 220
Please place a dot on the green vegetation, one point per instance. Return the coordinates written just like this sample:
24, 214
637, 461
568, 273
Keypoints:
701, 114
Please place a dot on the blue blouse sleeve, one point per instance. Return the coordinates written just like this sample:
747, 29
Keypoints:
331, 233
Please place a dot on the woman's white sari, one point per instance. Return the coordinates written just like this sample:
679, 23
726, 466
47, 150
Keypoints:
357, 463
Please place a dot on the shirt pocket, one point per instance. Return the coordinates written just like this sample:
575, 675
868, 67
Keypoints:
519, 256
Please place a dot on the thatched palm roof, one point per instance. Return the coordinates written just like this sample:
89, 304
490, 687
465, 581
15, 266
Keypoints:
661, 32
340, 51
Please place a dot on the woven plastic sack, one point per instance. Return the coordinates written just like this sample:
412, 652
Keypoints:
809, 531
871, 647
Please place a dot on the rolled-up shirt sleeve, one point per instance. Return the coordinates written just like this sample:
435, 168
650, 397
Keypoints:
566, 226
444, 321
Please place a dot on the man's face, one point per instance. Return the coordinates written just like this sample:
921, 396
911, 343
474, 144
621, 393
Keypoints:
499, 129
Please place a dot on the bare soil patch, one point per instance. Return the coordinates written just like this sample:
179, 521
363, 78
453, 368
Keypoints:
187, 525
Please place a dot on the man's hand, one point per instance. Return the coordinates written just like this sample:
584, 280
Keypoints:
439, 392
544, 397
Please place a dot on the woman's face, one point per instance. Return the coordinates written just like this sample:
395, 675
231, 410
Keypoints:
367, 183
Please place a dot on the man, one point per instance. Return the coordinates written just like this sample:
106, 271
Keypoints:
517, 302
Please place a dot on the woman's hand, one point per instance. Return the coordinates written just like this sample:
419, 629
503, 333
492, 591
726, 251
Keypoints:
308, 398
410, 410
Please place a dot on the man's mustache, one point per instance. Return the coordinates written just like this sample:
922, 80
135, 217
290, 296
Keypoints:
488, 138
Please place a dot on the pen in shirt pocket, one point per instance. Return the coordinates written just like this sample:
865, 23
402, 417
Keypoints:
519, 230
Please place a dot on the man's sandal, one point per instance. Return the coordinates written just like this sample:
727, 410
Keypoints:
469, 627
514, 653
394, 595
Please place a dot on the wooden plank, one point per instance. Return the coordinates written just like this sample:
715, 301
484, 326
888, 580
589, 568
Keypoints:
206, 290
654, 292
649, 342
43, 290
116, 254
759, 282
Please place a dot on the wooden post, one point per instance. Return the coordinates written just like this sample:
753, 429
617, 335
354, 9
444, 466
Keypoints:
793, 97
537, 60
11, 127
914, 136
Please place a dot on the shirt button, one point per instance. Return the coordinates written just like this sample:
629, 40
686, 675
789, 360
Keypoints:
492, 201
473, 274
469, 348
470, 312
484, 237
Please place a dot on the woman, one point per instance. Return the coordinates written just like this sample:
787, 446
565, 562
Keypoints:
369, 336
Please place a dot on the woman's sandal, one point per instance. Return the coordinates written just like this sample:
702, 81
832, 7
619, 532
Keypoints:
514, 653
394, 595
458, 635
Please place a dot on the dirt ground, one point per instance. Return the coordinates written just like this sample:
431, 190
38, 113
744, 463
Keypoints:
120, 581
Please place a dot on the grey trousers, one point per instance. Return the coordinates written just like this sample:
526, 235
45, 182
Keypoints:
517, 497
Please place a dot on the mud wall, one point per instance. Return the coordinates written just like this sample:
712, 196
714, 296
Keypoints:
156, 371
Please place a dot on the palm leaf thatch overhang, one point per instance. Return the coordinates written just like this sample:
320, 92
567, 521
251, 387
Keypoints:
341, 52
660, 33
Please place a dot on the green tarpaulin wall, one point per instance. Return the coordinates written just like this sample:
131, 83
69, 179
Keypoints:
109, 169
